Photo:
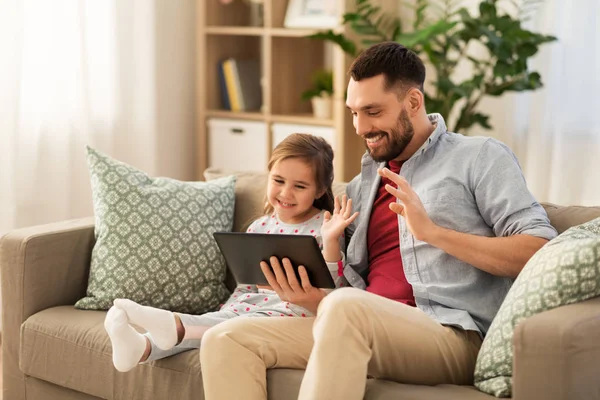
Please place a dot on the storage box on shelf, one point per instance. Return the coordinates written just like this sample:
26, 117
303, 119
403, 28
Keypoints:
280, 131
238, 145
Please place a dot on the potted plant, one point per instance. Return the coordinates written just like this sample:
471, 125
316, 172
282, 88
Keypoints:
320, 93
442, 36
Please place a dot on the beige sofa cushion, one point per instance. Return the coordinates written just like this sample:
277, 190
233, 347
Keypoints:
564, 217
70, 348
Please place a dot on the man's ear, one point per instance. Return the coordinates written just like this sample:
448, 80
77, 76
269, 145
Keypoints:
414, 101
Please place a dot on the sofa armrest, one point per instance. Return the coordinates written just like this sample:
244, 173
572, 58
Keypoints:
41, 267
557, 354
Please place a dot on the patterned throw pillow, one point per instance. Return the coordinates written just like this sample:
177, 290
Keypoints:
154, 242
566, 270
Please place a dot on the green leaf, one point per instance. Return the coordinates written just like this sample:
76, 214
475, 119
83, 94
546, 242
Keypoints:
411, 39
350, 17
487, 10
527, 50
364, 29
345, 44
468, 120
322, 83
502, 69
482, 120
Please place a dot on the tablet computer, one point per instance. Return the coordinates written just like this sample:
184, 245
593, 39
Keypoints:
243, 253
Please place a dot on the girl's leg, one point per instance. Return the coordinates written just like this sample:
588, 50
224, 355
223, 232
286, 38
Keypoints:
168, 333
129, 346
193, 328
165, 327
160, 324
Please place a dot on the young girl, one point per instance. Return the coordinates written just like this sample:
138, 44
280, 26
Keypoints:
299, 201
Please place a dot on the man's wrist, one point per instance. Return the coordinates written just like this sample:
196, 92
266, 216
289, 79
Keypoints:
435, 235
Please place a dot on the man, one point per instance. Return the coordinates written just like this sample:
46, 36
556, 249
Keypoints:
446, 222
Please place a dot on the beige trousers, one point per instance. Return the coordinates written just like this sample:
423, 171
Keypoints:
355, 334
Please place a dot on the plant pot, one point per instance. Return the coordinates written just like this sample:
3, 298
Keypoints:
321, 107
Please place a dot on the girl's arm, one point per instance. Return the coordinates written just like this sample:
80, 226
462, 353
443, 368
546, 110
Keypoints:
332, 232
336, 262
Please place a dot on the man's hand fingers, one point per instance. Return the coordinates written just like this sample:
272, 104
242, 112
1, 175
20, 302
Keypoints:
396, 192
336, 205
306, 285
397, 208
280, 274
270, 277
291, 276
397, 179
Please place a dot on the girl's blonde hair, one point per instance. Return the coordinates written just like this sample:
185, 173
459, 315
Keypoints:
316, 152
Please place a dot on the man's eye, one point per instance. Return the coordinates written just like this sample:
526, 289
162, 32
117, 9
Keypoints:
373, 114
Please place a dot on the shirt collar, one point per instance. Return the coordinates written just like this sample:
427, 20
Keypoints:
440, 128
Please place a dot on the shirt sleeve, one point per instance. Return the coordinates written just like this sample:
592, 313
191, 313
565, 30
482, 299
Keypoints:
335, 268
502, 196
353, 192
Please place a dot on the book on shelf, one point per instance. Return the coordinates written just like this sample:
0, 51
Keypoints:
239, 80
223, 87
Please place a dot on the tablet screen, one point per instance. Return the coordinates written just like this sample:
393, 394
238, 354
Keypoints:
243, 253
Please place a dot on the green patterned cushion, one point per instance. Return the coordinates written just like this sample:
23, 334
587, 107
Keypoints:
154, 242
566, 270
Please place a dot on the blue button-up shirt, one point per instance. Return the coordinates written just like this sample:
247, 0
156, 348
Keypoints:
468, 184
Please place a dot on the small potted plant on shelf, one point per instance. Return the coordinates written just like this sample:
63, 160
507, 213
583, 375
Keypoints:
320, 94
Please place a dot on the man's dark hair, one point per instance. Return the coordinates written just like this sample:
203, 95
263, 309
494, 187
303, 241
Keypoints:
400, 66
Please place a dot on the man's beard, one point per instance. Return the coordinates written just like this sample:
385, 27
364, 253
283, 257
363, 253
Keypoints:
398, 138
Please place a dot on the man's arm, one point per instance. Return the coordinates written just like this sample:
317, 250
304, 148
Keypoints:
502, 256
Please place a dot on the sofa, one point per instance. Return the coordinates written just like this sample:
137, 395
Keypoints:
53, 351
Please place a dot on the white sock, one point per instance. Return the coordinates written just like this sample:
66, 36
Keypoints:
160, 324
127, 344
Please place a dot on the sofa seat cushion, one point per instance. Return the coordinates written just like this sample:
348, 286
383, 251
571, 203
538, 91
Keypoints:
69, 347
285, 384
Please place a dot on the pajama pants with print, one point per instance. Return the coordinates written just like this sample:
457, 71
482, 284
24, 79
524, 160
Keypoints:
246, 301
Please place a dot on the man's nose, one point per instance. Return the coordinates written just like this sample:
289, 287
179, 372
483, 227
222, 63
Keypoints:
362, 125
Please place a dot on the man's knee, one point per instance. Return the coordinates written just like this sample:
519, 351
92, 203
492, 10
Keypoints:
341, 303
221, 335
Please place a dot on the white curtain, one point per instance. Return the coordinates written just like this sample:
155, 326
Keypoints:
115, 75
558, 127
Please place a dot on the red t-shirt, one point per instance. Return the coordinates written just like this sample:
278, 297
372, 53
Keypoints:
386, 272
